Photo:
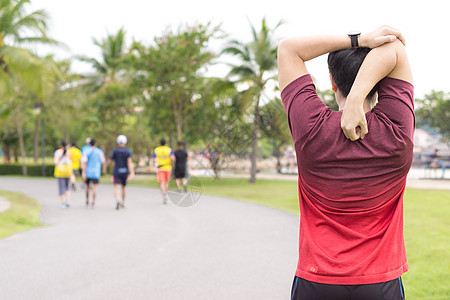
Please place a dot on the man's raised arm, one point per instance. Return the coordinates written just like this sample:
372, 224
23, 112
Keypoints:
293, 52
387, 60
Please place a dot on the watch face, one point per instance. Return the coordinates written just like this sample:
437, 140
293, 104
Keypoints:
354, 32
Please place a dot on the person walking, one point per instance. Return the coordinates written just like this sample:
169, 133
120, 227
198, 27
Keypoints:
63, 170
181, 158
352, 163
86, 147
91, 163
76, 159
163, 157
123, 169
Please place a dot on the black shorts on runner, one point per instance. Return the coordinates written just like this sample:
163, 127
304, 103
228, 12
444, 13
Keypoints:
89, 180
121, 179
180, 173
307, 290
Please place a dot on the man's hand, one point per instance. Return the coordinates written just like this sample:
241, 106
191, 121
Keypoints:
380, 36
353, 121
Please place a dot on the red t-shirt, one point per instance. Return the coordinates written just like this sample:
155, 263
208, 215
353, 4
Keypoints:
351, 193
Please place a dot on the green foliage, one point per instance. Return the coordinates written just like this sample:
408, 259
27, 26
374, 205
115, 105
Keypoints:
33, 170
169, 76
434, 111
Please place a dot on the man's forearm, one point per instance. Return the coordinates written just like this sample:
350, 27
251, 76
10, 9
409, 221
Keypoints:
379, 63
307, 48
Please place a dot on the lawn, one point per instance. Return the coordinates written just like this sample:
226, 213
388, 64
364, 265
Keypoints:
23, 214
426, 226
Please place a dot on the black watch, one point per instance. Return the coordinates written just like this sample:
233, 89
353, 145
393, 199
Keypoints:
354, 38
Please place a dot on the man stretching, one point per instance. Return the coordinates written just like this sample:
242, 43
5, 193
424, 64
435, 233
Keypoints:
351, 181
123, 169
163, 157
92, 161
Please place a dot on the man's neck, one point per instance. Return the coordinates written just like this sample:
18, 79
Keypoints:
367, 106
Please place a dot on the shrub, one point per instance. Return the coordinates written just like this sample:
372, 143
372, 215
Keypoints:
33, 170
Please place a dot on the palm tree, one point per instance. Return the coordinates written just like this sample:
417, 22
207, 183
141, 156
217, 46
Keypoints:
257, 61
20, 68
108, 68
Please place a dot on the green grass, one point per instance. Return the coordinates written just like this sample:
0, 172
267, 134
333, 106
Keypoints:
427, 232
426, 226
23, 214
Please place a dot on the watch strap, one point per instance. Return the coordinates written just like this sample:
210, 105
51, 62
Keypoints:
354, 40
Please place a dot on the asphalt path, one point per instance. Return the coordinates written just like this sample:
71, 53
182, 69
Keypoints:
218, 248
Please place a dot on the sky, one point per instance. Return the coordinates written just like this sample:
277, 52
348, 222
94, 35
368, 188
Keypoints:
425, 27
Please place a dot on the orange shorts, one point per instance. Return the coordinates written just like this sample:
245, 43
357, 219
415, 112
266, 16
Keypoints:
163, 176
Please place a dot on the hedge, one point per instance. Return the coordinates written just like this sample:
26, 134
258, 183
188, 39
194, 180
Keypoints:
33, 170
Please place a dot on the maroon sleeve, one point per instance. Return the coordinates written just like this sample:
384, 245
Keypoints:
302, 105
396, 102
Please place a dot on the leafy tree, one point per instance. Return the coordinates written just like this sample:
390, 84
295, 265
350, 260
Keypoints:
169, 74
274, 125
256, 66
434, 111
21, 70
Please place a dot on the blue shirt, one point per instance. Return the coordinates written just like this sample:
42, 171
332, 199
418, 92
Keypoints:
120, 156
94, 157
84, 148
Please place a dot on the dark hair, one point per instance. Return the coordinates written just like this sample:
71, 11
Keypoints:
344, 66
163, 141
64, 145
92, 142
180, 144
73, 144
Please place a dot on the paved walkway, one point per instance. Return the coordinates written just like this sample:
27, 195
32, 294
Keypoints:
217, 249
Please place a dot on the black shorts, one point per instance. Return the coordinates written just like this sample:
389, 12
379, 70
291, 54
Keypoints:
307, 290
120, 179
89, 180
180, 173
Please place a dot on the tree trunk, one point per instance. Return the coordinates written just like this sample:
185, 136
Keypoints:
277, 153
36, 140
254, 155
21, 147
178, 115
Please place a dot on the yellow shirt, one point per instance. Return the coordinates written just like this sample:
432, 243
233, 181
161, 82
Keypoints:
162, 155
76, 156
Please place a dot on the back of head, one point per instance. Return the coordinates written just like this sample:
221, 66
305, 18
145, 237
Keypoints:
121, 140
92, 142
64, 145
344, 66
73, 144
88, 141
180, 145
162, 141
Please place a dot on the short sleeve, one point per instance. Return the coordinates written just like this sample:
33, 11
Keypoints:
303, 105
154, 154
396, 102
111, 156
